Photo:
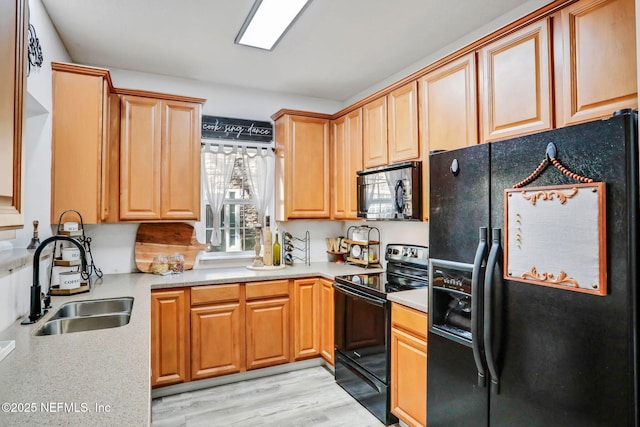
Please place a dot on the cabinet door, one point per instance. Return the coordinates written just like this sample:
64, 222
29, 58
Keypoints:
78, 128
339, 168
598, 73
181, 160
354, 164
169, 337
374, 133
217, 340
515, 94
448, 113
14, 20
308, 180
267, 323
279, 191
306, 322
140, 158
408, 378
111, 159
403, 123
326, 320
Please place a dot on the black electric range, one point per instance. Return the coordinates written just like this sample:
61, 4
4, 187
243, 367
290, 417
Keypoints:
407, 268
363, 325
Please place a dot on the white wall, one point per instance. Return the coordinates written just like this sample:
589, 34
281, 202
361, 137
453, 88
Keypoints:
37, 136
226, 101
36, 185
492, 26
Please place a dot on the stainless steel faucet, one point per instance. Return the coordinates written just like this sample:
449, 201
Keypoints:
36, 311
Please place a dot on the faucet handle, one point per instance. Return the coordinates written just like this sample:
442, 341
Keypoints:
46, 300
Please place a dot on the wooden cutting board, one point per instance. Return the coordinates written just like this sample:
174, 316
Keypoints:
167, 239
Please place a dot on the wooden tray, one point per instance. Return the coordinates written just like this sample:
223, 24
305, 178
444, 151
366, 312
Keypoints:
64, 263
57, 291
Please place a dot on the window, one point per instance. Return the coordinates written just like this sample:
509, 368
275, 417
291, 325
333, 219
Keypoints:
238, 215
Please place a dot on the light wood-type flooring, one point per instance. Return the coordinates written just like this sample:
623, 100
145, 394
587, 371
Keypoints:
307, 397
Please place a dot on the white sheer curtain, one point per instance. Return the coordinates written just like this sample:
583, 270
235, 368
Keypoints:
260, 167
217, 166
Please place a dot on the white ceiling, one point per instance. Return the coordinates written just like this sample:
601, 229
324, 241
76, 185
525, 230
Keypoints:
335, 50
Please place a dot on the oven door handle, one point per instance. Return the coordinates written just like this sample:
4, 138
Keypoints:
360, 375
477, 277
370, 299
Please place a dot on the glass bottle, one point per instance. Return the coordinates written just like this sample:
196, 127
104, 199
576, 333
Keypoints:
267, 242
276, 252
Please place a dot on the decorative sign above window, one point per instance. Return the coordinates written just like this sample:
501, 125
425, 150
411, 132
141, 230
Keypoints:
236, 129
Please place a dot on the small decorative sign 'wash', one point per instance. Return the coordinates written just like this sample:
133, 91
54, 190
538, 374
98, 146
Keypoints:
236, 129
555, 236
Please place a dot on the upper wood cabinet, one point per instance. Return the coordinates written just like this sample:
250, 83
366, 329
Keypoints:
374, 133
403, 123
303, 178
306, 340
346, 161
169, 336
390, 127
596, 45
339, 172
14, 19
159, 158
447, 114
515, 88
85, 144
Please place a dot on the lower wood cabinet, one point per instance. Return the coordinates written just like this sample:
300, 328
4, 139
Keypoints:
169, 336
267, 323
217, 331
327, 344
409, 365
306, 323
205, 331
267, 333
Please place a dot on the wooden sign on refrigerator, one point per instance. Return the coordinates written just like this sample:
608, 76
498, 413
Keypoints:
556, 236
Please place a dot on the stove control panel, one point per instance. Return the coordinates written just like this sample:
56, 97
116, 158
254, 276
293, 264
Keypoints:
407, 253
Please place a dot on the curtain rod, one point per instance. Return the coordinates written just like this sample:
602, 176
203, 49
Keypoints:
240, 144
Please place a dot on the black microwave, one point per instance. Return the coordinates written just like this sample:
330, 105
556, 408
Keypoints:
392, 192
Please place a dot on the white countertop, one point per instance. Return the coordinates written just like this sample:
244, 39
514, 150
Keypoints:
415, 298
102, 377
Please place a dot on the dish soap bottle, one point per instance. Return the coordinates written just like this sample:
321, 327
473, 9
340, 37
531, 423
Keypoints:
267, 257
276, 251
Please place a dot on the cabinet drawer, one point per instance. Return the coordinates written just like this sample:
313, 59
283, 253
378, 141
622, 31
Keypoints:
410, 320
270, 289
214, 293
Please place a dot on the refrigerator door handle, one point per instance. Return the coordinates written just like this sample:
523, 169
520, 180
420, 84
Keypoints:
493, 309
477, 277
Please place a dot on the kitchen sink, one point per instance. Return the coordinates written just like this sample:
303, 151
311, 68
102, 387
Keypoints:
94, 307
87, 323
88, 315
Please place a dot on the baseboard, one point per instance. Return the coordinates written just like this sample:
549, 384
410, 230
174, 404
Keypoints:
242, 376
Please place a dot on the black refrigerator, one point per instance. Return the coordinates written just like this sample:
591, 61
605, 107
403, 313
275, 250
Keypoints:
506, 353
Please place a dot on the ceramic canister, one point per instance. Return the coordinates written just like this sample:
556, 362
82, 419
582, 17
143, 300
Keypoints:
55, 273
70, 254
70, 280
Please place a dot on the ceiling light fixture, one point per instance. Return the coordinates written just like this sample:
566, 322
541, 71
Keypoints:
267, 22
